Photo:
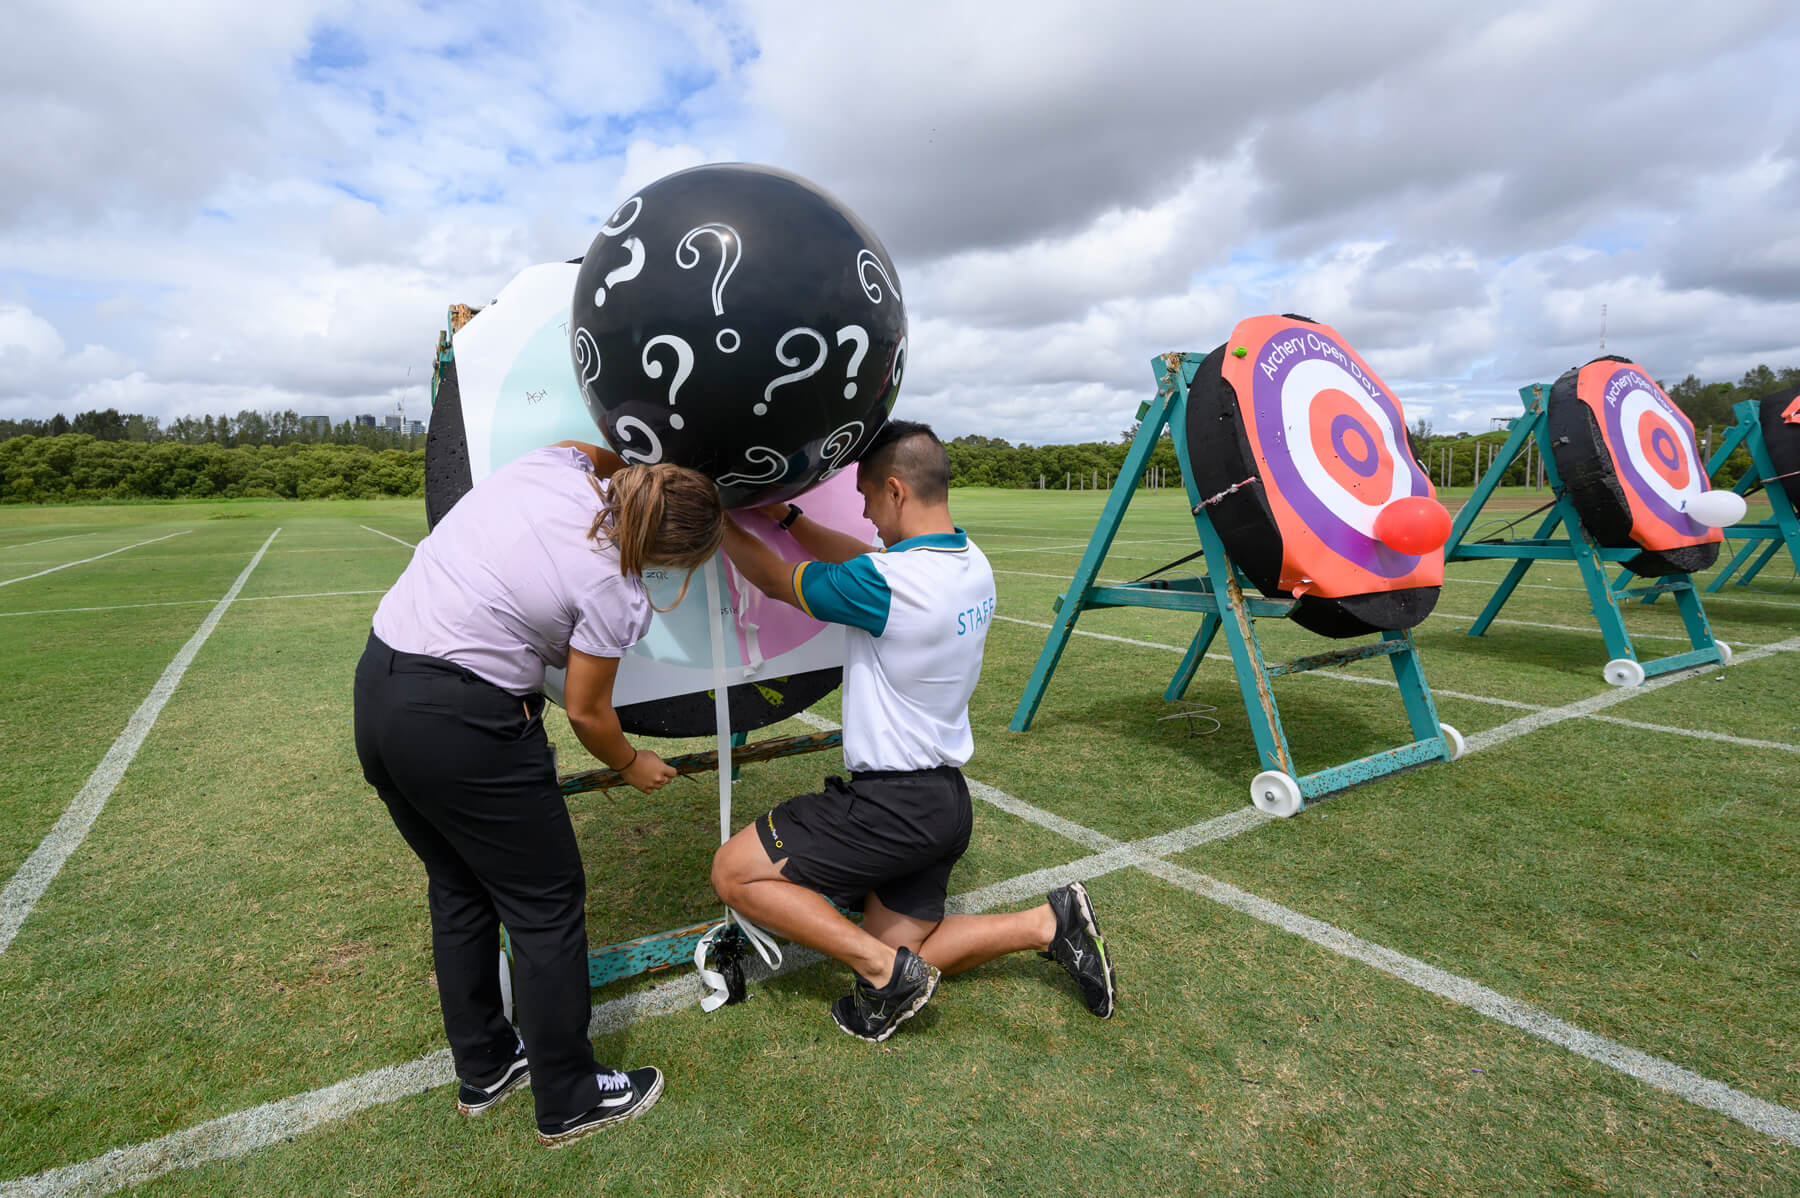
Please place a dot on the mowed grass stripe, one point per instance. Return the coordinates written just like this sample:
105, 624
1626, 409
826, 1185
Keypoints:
35, 876
84, 561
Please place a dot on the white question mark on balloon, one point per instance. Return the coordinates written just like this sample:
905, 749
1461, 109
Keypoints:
860, 336
587, 356
684, 366
629, 429
622, 274
731, 249
620, 222
794, 376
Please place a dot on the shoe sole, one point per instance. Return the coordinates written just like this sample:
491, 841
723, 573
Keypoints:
912, 1009
566, 1138
522, 1081
1092, 925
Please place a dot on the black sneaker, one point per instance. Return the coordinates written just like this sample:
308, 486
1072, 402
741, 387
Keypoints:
472, 1099
1079, 948
871, 1014
623, 1097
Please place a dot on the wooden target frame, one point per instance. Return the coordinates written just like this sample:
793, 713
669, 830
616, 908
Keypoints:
1578, 544
1286, 401
1629, 459
1220, 597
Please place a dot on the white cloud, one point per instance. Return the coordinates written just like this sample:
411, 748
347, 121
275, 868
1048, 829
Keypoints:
229, 206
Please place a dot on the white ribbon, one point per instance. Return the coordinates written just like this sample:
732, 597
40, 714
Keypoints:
764, 944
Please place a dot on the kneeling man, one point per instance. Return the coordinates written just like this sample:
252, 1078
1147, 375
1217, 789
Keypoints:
884, 842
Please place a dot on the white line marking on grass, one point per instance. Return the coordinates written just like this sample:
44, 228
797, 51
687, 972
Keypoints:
1556, 715
274, 1122
1590, 630
84, 561
1716, 596
47, 540
1696, 733
1757, 1114
46, 861
62, 611
390, 536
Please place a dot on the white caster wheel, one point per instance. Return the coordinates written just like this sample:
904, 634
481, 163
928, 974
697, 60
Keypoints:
1622, 671
1274, 793
1724, 653
506, 994
1453, 740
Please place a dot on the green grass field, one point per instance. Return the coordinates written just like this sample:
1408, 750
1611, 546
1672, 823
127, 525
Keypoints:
1451, 980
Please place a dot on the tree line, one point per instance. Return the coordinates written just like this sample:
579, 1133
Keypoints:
78, 467
246, 428
105, 454
1450, 459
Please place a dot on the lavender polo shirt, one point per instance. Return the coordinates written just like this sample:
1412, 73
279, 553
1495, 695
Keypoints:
508, 581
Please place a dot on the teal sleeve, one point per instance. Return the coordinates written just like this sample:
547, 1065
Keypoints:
852, 592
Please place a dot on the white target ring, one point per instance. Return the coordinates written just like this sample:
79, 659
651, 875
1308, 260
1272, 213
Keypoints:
1637, 404
1298, 391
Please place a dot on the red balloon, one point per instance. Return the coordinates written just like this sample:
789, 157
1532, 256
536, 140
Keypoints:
1415, 525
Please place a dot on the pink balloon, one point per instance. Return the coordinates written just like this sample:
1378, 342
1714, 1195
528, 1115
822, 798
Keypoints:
1414, 525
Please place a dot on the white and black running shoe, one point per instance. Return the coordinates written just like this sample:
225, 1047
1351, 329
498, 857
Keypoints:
1080, 949
473, 1099
873, 1015
623, 1097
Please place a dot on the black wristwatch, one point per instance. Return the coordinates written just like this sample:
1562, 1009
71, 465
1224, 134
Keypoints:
787, 521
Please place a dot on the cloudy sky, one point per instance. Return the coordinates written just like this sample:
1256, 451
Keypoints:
209, 205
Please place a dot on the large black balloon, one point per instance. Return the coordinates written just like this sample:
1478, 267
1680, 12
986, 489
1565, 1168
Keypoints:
738, 320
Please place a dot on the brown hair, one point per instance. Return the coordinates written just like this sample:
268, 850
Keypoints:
661, 515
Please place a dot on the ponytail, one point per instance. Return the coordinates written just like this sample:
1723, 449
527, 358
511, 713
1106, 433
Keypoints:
660, 515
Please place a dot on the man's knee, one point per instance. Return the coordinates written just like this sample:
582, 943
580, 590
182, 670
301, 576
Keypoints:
735, 863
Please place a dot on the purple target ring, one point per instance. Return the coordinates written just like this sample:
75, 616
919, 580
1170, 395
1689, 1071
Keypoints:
1663, 446
1365, 460
1276, 358
1618, 385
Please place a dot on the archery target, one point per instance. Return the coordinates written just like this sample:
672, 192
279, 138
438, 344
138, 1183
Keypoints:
510, 388
1781, 437
1629, 459
1301, 412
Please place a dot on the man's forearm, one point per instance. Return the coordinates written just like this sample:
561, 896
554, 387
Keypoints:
826, 543
760, 565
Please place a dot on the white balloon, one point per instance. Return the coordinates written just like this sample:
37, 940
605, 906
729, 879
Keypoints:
1717, 509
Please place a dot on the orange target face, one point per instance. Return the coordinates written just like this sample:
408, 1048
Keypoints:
1329, 440
1661, 450
1651, 443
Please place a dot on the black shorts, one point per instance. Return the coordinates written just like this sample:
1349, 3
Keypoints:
896, 833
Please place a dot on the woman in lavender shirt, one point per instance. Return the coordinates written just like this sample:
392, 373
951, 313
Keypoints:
541, 564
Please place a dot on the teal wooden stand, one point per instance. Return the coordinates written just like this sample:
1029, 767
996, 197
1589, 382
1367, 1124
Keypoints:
1574, 545
1763, 539
1224, 599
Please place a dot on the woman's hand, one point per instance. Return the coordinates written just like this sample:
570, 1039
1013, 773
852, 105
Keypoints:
648, 772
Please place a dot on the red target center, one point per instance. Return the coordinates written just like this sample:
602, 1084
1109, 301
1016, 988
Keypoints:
1349, 445
1663, 450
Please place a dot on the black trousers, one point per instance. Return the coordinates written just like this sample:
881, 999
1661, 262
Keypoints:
466, 773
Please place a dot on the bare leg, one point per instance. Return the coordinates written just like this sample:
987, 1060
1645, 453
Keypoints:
961, 942
749, 882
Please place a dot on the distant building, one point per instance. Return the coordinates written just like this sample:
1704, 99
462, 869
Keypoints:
414, 427
318, 426
365, 422
391, 423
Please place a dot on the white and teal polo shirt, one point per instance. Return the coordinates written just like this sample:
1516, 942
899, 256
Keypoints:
916, 617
